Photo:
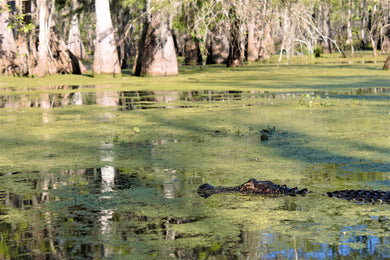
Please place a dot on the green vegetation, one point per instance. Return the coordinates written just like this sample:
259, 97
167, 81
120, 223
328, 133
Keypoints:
162, 137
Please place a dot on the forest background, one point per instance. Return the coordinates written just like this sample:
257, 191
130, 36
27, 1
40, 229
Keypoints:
41, 37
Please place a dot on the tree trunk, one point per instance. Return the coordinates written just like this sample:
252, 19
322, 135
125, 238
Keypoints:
387, 63
326, 27
156, 52
24, 52
7, 43
349, 27
53, 56
217, 46
235, 58
253, 43
126, 45
385, 46
105, 56
75, 44
192, 54
267, 47
44, 62
374, 32
64, 60
363, 25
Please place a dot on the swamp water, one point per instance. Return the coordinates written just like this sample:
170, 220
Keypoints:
92, 172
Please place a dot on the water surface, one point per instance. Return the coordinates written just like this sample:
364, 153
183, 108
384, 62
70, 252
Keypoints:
90, 173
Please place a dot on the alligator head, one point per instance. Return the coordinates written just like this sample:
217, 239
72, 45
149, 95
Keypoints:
252, 186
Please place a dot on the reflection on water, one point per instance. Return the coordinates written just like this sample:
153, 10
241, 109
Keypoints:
130, 100
94, 213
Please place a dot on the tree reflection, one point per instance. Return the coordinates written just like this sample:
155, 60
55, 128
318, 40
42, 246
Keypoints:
107, 211
46, 97
108, 185
130, 100
107, 98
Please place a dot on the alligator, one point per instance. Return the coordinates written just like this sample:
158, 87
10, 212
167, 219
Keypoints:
254, 186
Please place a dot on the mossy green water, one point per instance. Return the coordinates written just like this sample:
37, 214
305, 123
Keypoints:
331, 125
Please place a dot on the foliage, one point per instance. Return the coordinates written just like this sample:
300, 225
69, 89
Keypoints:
18, 22
140, 5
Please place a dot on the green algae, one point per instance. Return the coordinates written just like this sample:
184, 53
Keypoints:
335, 139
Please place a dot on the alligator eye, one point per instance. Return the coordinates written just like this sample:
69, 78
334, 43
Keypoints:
249, 185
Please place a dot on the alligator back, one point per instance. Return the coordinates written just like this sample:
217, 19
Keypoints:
366, 196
